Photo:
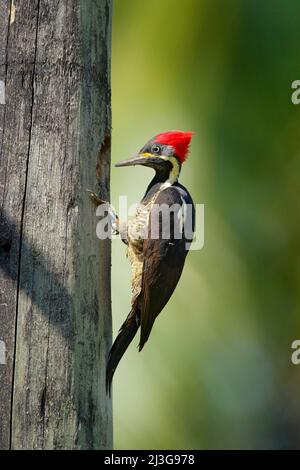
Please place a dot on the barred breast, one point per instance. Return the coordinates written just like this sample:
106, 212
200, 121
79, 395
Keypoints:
137, 231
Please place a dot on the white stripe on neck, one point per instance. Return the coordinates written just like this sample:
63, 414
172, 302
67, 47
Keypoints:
174, 173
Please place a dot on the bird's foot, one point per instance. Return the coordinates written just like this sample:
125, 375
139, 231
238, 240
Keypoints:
96, 200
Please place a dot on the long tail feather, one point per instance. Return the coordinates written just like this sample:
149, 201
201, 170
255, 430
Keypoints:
124, 338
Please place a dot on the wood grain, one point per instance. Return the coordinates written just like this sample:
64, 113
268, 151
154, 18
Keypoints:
55, 274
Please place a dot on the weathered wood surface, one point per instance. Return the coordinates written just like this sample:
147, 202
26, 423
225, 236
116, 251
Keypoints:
54, 274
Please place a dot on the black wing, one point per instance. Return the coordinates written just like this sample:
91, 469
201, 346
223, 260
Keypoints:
163, 260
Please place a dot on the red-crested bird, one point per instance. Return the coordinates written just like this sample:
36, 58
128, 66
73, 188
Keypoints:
157, 262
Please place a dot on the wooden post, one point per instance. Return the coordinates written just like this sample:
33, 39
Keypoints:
55, 319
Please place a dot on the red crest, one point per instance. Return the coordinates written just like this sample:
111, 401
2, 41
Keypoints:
179, 140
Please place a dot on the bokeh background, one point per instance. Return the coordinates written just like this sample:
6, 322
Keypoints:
217, 370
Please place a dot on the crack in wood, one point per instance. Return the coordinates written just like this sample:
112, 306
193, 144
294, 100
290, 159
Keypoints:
43, 402
22, 216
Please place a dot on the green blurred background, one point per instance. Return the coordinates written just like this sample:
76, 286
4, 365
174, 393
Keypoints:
217, 370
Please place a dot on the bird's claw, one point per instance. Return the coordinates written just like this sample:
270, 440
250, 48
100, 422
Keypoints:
96, 200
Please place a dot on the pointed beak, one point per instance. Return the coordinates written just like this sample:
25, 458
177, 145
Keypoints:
140, 160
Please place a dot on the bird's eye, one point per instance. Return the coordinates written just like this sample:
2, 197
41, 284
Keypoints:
155, 149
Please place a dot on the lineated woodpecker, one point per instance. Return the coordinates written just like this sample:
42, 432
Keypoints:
157, 263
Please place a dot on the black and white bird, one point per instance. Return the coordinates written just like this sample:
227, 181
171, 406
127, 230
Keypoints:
157, 245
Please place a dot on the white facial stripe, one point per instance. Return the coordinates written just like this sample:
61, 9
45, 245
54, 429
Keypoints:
174, 173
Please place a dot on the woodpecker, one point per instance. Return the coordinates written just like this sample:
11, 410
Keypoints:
157, 262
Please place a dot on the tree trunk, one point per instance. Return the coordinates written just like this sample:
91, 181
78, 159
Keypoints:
55, 319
